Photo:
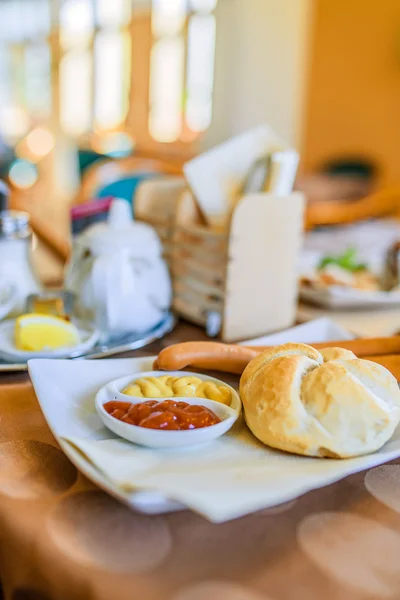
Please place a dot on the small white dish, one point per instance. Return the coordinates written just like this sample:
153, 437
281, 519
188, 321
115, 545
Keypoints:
8, 351
166, 439
339, 297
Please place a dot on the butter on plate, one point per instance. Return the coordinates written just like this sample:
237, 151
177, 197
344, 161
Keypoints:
36, 332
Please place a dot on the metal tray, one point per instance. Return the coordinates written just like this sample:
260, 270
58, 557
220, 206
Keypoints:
131, 341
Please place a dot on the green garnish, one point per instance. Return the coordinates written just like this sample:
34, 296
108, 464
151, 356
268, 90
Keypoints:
346, 261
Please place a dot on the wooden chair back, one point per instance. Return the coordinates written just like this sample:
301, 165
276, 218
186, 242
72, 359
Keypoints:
104, 172
383, 203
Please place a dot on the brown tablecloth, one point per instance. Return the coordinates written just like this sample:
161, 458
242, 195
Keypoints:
61, 538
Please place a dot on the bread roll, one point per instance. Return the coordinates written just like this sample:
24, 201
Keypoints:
327, 403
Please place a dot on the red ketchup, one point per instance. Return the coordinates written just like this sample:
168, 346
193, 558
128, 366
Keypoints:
168, 415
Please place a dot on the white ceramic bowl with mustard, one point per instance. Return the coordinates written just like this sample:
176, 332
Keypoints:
155, 438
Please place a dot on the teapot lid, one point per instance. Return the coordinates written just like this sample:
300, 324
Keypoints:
122, 232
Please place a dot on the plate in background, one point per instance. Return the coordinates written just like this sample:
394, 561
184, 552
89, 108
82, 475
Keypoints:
127, 343
316, 330
9, 352
338, 297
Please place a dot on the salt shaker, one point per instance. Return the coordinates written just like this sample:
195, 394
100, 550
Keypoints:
16, 271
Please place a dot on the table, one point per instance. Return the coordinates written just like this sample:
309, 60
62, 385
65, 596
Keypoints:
61, 538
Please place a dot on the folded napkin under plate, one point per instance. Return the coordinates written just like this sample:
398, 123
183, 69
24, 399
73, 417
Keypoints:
225, 479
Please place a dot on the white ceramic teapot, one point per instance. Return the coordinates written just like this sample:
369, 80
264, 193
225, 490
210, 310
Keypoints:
118, 274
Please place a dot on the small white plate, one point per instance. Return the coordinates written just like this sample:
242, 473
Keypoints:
316, 330
8, 351
341, 297
167, 439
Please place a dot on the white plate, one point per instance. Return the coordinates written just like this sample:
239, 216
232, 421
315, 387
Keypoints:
341, 297
66, 392
8, 351
167, 439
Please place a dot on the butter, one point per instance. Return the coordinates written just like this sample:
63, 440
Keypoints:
38, 332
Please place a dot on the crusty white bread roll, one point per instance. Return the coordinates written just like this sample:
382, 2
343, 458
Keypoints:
324, 403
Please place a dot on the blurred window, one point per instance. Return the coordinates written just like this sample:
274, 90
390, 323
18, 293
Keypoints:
111, 83
25, 65
75, 92
182, 69
71, 61
76, 24
37, 80
94, 82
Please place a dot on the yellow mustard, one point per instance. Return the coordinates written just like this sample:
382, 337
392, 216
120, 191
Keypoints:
167, 386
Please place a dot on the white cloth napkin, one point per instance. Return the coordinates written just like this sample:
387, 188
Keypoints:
225, 479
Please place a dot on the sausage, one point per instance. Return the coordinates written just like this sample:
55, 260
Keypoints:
364, 347
391, 362
231, 358
213, 356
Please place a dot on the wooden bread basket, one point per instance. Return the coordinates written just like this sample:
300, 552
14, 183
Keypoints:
240, 282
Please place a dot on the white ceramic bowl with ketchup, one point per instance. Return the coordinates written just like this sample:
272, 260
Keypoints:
155, 438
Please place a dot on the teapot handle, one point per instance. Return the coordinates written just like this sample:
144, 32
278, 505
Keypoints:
105, 291
7, 306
